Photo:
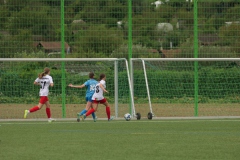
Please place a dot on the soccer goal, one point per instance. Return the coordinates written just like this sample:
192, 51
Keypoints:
186, 87
18, 92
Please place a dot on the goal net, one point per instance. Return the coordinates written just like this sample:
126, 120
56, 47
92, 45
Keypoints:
17, 92
186, 87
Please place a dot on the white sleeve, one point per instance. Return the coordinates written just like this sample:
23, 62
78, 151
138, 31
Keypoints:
103, 83
51, 80
37, 80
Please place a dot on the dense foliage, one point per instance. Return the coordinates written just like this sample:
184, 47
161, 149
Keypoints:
100, 28
215, 83
92, 30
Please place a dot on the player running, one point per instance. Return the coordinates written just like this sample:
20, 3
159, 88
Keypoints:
44, 80
90, 84
99, 98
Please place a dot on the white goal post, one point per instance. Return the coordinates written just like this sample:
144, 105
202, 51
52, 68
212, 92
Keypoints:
145, 66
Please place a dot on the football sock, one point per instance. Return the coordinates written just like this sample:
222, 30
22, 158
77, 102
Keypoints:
90, 111
33, 109
93, 115
48, 111
108, 112
83, 112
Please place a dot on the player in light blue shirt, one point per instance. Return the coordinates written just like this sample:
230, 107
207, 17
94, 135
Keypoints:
90, 85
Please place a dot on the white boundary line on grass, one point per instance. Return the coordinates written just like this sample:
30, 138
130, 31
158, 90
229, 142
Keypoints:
121, 120
143, 118
114, 122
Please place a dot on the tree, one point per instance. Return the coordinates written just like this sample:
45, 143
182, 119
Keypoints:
22, 42
98, 39
138, 51
4, 14
232, 14
102, 12
41, 21
16, 5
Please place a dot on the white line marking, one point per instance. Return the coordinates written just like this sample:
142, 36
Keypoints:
117, 121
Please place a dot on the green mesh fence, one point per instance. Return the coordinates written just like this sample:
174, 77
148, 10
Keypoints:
18, 92
171, 86
101, 28
117, 29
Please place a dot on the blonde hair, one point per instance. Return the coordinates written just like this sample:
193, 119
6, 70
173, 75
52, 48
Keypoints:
44, 73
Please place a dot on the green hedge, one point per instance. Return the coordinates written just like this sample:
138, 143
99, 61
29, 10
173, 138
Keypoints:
213, 83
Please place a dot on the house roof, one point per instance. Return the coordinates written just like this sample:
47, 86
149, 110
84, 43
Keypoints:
170, 53
5, 33
153, 51
51, 45
78, 21
74, 31
208, 39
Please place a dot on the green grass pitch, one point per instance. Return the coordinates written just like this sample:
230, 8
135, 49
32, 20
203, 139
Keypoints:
217, 139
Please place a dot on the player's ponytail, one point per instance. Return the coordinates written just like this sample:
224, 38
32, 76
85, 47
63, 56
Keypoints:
46, 71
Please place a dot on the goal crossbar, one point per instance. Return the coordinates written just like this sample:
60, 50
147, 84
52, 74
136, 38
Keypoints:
186, 59
58, 59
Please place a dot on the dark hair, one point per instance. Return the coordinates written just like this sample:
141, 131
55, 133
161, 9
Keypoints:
45, 72
91, 75
102, 76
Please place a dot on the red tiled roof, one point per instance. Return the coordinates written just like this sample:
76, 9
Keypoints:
51, 45
171, 53
208, 39
153, 51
